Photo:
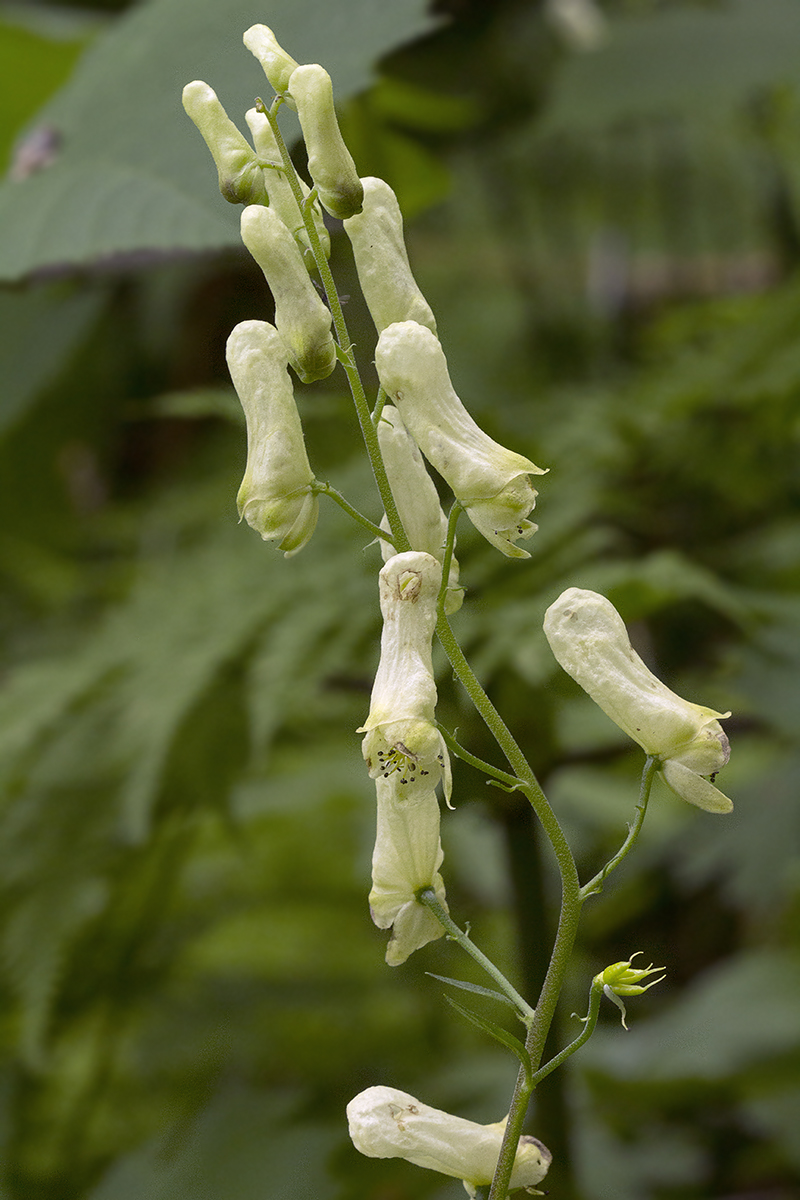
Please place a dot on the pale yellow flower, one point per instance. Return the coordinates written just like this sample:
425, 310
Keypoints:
589, 639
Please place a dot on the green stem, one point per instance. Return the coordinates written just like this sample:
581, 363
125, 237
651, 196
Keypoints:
590, 1021
595, 885
346, 357
380, 404
427, 896
510, 781
325, 489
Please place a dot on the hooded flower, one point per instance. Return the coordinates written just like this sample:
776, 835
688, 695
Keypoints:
330, 164
402, 741
492, 483
276, 496
281, 196
589, 639
407, 857
416, 498
241, 179
302, 319
376, 235
387, 1123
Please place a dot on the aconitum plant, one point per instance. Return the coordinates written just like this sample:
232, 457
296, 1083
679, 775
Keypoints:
417, 423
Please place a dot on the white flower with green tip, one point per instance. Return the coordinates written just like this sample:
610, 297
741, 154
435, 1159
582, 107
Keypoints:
402, 741
330, 163
492, 483
387, 1123
589, 639
276, 497
416, 498
241, 179
379, 249
302, 319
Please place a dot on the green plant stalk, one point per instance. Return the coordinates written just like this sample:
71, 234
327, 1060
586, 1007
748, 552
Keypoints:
509, 782
573, 898
326, 489
427, 896
595, 885
347, 356
590, 1021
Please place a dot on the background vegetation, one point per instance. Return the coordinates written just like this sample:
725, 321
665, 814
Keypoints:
191, 988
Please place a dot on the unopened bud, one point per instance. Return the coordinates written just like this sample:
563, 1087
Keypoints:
416, 498
300, 315
330, 164
492, 483
281, 196
276, 63
376, 234
276, 496
241, 179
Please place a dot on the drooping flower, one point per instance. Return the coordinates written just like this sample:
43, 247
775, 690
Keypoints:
407, 857
302, 319
416, 498
376, 235
492, 483
589, 639
387, 1123
241, 179
276, 497
281, 196
330, 163
402, 740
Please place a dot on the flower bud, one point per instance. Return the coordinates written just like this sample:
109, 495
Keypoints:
281, 196
302, 319
277, 64
491, 483
589, 639
330, 164
407, 857
402, 741
241, 179
276, 497
376, 235
387, 1123
416, 498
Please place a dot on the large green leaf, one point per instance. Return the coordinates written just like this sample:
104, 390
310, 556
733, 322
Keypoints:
690, 61
134, 176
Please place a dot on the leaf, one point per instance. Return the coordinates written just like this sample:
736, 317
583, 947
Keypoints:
498, 1033
474, 987
134, 176
41, 329
686, 60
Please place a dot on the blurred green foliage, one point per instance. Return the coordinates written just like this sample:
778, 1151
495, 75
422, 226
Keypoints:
191, 988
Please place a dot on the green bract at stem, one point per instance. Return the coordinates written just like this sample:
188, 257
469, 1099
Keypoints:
347, 357
380, 403
447, 557
595, 885
325, 489
427, 896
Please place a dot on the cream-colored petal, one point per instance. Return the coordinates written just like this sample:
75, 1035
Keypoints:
690, 786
